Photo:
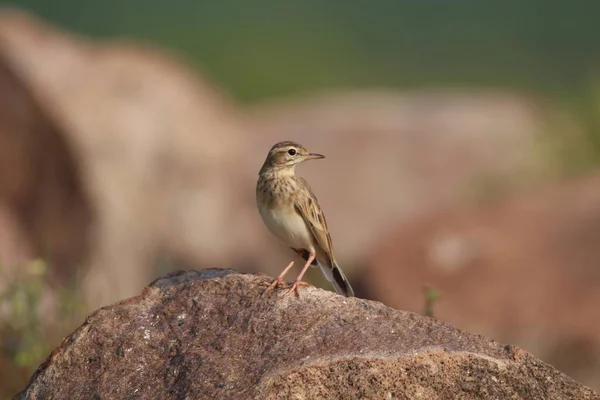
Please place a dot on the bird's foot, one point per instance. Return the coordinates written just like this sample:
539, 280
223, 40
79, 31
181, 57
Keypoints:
278, 283
295, 288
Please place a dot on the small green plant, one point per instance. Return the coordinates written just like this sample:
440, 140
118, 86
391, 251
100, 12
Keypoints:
431, 296
27, 335
21, 324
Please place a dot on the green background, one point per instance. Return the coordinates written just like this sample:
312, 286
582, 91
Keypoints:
261, 49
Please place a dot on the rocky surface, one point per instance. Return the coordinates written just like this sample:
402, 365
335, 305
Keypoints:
532, 259
216, 334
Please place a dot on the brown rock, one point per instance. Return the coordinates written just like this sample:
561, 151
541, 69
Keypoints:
215, 334
523, 270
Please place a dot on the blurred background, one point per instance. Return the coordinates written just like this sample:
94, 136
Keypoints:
462, 176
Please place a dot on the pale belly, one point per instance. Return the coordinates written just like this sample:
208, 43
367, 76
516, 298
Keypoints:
288, 227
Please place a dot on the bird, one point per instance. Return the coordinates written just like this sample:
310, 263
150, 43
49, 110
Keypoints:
291, 212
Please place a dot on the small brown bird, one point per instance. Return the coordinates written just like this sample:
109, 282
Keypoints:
292, 213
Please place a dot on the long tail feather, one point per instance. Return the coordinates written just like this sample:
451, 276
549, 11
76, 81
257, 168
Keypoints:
335, 275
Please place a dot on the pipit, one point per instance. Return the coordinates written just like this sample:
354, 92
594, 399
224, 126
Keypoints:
292, 213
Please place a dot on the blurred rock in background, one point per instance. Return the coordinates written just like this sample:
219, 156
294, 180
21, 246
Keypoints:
44, 209
170, 175
524, 270
155, 148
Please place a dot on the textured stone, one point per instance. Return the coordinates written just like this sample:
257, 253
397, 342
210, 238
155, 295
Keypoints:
216, 334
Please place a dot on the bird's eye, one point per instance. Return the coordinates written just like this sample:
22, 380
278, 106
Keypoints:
292, 152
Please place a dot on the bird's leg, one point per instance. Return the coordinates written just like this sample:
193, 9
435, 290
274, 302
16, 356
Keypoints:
296, 286
279, 280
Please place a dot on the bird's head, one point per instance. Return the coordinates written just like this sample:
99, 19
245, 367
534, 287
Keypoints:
284, 155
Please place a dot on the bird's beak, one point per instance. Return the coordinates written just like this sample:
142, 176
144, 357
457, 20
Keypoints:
313, 156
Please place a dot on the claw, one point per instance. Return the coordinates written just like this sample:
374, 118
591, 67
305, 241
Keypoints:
295, 288
277, 283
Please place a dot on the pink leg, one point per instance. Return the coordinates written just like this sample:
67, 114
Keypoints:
279, 280
296, 286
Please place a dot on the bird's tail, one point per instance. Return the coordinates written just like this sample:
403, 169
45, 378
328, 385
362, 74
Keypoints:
335, 275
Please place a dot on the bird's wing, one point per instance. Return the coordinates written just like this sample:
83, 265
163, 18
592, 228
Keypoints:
310, 210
